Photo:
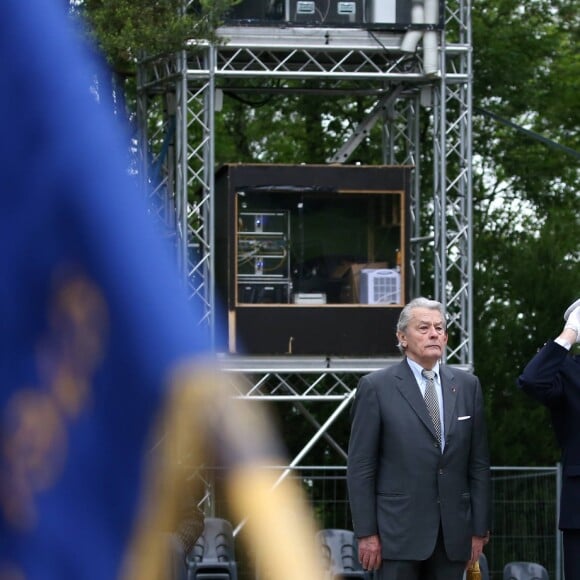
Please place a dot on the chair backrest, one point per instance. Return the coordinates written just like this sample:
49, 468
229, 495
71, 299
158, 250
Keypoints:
340, 550
524, 571
216, 542
213, 555
484, 567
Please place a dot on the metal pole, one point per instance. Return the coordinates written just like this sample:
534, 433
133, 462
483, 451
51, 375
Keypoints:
467, 308
209, 164
181, 161
559, 551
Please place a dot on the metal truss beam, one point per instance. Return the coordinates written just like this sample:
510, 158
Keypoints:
453, 184
176, 106
365, 126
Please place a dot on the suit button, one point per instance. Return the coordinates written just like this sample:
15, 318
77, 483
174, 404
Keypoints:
435, 444
440, 472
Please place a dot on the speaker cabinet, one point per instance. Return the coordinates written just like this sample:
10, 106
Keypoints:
380, 14
258, 11
326, 12
395, 14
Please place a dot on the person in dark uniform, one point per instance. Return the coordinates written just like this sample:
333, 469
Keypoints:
552, 377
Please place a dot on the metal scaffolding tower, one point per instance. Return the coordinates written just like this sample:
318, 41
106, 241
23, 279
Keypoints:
182, 92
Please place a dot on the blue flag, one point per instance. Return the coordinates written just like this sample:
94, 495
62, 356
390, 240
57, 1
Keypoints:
92, 313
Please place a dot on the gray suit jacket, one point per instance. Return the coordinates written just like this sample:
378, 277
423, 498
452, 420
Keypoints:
400, 484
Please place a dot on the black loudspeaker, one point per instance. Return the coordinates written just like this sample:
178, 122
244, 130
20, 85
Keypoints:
327, 12
390, 14
263, 293
380, 14
258, 11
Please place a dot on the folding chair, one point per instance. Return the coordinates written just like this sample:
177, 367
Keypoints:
340, 551
213, 556
524, 571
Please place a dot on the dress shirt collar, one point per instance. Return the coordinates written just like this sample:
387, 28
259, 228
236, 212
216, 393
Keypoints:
417, 369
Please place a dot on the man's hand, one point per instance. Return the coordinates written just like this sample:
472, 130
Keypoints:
369, 552
477, 544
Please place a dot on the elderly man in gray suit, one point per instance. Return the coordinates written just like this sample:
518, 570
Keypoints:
418, 462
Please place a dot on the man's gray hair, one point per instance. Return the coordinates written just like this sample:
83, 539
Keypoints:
406, 314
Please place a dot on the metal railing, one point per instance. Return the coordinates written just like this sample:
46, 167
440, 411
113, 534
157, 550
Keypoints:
525, 518
525, 504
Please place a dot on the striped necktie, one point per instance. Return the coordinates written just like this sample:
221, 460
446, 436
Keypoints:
432, 402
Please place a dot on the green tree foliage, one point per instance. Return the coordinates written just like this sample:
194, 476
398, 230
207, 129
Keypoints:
526, 207
127, 29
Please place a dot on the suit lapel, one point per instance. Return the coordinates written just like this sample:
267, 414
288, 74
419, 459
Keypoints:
410, 391
449, 391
